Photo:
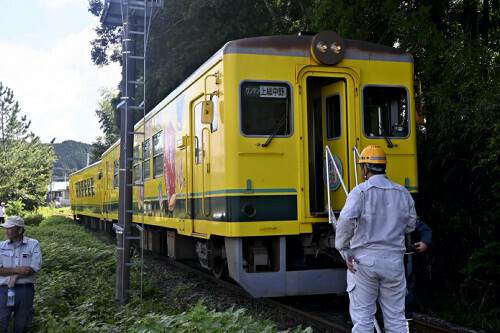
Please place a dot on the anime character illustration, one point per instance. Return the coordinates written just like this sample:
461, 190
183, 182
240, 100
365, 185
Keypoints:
169, 165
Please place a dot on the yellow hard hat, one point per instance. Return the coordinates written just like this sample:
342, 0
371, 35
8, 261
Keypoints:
373, 154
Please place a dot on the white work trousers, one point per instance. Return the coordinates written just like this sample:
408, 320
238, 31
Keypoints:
382, 278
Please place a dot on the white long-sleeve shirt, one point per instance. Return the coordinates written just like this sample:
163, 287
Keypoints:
28, 253
376, 216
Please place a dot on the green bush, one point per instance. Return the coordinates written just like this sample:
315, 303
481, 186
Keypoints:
33, 219
15, 207
76, 291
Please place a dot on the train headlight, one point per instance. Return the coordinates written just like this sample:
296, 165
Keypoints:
322, 46
327, 47
336, 47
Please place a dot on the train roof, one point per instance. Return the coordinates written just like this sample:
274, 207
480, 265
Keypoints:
300, 46
87, 167
283, 45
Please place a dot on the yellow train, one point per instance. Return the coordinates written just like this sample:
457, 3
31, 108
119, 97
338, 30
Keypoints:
234, 163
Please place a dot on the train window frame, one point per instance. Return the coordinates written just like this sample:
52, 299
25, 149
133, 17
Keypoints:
289, 124
116, 178
146, 160
158, 155
137, 164
391, 132
338, 116
92, 186
77, 193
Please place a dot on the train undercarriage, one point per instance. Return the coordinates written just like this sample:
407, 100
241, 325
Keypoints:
271, 266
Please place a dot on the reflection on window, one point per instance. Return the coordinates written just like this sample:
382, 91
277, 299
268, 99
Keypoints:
137, 165
146, 157
116, 178
385, 112
157, 155
266, 109
333, 117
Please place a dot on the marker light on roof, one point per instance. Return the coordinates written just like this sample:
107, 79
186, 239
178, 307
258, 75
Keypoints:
327, 48
336, 47
322, 46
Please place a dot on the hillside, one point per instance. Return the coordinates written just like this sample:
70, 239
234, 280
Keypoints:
71, 156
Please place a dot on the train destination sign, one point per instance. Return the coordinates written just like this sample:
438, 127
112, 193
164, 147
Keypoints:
266, 91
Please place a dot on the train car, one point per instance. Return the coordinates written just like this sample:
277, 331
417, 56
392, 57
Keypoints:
85, 193
234, 160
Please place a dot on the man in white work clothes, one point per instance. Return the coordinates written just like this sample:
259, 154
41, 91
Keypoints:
370, 236
20, 260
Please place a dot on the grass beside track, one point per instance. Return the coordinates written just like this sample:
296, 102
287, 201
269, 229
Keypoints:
75, 291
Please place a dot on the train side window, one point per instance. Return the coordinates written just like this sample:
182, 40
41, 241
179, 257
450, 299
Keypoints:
146, 157
85, 187
215, 123
77, 190
92, 186
198, 127
116, 178
385, 112
137, 165
333, 117
265, 109
157, 155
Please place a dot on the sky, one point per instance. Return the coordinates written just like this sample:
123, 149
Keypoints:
45, 59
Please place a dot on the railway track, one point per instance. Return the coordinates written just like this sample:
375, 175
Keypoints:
318, 319
311, 309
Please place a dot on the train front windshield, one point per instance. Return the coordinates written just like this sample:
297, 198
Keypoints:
385, 112
265, 109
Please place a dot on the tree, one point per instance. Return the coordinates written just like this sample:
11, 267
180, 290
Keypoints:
106, 47
455, 45
109, 118
71, 156
11, 128
456, 53
25, 163
182, 37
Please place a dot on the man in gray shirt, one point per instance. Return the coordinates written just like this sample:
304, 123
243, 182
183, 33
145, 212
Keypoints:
370, 236
20, 260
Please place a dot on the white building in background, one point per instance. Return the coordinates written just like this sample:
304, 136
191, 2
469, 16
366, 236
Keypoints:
59, 192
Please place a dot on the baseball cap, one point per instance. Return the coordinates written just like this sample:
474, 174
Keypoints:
13, 221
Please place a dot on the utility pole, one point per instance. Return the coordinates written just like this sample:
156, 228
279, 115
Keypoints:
134, 16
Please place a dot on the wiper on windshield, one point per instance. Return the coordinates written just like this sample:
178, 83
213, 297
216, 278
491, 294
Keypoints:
389, 142
275, 130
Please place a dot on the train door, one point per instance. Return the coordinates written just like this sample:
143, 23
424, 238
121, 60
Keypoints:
200, 135
333, 103
327, 106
